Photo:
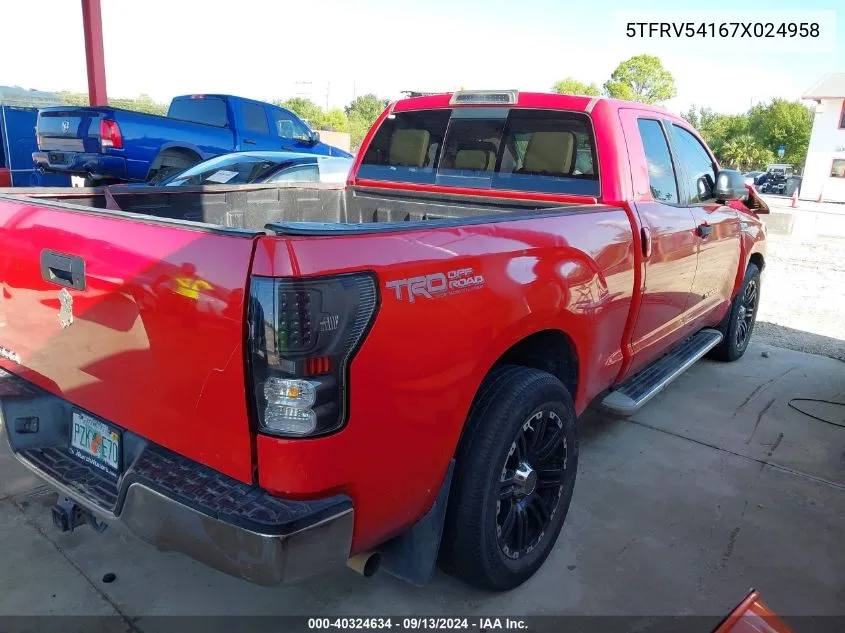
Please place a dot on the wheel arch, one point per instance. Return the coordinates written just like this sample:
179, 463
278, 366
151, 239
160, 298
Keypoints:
550, 350
173, 150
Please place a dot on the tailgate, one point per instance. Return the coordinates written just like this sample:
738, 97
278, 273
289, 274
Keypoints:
69, 129
153, 343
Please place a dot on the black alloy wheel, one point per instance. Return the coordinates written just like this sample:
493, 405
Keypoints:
531, 484
746, 313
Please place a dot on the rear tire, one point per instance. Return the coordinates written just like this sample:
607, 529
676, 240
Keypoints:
741, 318
515, 476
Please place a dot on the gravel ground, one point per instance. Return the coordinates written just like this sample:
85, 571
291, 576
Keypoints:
803, 293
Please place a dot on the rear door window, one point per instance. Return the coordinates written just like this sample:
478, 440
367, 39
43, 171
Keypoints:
254, 118
487, 148
661, 172
207, 110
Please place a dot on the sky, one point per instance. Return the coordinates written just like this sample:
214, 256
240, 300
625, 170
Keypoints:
332, 50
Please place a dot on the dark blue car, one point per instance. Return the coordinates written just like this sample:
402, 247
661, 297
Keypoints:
107, 144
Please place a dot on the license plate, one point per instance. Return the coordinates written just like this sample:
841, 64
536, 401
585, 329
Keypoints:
95, 443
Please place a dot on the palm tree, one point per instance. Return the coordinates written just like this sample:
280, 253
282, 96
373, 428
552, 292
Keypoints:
741, 152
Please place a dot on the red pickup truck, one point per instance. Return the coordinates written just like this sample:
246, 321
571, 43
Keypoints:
279, 380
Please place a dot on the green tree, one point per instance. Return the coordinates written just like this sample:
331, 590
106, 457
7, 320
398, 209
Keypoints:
641, 78
782, 122
362, 112
358, 128
571, 86
335, 120
304, 109
743, 152
142, 103
368, 106
715, 128
73, 98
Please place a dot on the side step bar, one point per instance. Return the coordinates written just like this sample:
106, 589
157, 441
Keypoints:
643, 386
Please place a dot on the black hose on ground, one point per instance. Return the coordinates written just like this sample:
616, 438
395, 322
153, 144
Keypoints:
815, 417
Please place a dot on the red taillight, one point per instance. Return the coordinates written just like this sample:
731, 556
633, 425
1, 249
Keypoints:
303, 333
110, 134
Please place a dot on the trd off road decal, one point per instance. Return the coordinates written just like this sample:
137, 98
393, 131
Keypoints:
436, 285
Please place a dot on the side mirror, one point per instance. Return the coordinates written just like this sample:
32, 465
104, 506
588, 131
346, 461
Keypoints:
730, 185
314, 137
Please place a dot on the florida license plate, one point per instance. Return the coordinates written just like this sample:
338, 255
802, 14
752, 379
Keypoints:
95, 443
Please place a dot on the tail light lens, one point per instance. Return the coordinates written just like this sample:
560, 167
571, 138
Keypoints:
110, 134
303, 334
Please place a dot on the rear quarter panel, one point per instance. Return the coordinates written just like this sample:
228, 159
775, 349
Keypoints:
419, 368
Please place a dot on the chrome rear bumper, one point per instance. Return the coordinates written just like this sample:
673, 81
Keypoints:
179, 505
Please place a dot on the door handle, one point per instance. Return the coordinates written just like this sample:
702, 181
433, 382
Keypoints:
248, 141
704, 230
63, 270
645, 238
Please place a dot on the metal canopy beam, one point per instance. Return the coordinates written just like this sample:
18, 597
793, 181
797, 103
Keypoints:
92, 25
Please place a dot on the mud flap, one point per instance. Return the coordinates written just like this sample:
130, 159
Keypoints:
412, 556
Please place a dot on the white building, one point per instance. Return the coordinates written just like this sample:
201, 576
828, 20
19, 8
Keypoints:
824, 171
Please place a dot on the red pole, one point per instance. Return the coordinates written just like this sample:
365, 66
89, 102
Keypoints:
92, 25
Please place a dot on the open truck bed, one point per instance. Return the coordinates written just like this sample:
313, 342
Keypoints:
254, 207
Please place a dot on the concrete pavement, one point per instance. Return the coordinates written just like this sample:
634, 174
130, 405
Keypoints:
716, 486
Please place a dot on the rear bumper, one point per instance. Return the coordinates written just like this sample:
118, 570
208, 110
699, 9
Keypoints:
177, 504
81, 163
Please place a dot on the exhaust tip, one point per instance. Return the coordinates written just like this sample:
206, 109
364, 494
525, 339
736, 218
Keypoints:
366, 563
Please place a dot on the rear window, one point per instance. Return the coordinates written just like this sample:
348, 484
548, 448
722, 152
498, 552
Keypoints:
207, 110
487, 148
254, 118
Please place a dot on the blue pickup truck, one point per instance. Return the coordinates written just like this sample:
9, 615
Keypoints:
107, 145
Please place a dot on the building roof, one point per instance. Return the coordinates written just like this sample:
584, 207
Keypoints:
830, 86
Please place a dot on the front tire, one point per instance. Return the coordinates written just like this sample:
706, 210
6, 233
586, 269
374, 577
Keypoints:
740, 318
515, 476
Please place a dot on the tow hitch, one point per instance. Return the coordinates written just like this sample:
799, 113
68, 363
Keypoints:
67, 516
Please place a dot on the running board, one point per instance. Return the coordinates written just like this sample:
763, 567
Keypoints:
643, 386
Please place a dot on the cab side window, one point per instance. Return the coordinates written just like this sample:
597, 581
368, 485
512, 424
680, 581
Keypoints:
700, 171
661, 172
254, 118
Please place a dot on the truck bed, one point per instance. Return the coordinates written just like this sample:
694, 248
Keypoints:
254, 207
